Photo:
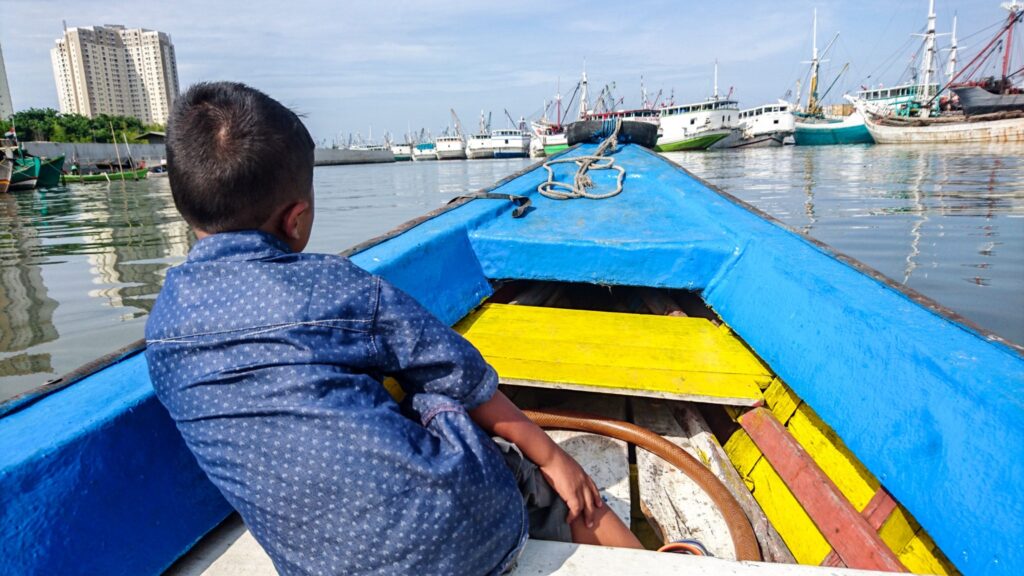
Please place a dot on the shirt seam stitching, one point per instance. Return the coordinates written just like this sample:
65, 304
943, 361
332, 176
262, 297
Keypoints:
261, 329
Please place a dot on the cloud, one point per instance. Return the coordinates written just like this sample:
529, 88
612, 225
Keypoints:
396, 63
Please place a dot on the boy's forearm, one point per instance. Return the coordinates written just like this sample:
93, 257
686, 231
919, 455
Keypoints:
500, 417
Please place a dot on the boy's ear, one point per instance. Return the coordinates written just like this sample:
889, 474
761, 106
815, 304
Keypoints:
291, 219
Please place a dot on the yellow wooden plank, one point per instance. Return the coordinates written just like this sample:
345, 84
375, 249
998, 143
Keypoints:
920, 556
835, 459
802, 537
694, 340
781, 400
898, 530
743, 453
652, 355
623, 352
710, 387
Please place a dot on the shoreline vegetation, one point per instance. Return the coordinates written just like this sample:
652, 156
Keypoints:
49, 125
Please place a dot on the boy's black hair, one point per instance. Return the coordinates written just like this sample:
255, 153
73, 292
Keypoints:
234, 155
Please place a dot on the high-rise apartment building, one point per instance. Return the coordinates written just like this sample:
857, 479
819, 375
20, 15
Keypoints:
114, 70
6, 107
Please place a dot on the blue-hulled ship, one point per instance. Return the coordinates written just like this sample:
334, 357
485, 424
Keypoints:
856, 422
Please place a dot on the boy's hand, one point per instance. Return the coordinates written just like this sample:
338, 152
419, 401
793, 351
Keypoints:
500, 417
569, 480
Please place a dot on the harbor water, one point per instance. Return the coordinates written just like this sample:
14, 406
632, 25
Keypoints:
80, 267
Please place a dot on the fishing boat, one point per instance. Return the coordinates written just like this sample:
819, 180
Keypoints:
839, 418
5, 175
764, 126
990, 95
988, 116
113, 176
25, 174
811, 126
510, 143
424, 151
402, 152
450, 148
479, 145
697, 126
50, 171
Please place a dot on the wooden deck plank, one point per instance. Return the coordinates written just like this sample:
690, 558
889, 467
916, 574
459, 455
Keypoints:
674, 504
703, 440
847, 531
631, 354
693, 340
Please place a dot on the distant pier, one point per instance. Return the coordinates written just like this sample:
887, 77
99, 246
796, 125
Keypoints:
91, 153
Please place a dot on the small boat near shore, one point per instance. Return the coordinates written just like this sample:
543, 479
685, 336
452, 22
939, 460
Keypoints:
115, 176
24, 176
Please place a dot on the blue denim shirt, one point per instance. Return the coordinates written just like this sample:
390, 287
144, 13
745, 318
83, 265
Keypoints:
271, 362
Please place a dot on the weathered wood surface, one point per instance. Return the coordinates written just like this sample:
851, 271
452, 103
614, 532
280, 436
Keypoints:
848, 533
773, 548
673, 503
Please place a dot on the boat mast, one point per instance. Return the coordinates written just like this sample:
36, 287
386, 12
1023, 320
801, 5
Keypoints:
715, 95
951, 65
812, 93
1014, 8
584, 104
558, 100
928, 64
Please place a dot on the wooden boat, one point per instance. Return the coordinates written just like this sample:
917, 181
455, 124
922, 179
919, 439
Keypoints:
137, 174
5, 175
24, 175
1000, 127
50, 171
855, 421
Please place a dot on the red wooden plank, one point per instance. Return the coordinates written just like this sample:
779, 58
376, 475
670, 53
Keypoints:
877, 512
851, 536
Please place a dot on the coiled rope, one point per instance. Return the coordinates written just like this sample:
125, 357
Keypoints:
581, 181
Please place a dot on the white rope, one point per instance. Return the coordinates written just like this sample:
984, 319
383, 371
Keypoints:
581, 181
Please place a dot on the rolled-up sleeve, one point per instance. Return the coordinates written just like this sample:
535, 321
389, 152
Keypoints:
425, 355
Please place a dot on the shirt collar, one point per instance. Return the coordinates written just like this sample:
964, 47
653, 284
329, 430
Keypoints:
240, 245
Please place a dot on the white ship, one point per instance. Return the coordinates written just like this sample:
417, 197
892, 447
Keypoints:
402, 152
510, 143
479, 144
451, 147
697, 126
424, 151
763, 126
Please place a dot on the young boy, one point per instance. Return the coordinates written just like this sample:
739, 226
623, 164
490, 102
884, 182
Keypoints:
270, 361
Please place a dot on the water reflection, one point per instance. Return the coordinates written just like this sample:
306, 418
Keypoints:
98, 250
921, 215
26, 310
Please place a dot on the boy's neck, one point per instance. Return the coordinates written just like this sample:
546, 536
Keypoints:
200, 234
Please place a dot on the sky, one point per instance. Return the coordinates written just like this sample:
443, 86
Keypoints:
383, 65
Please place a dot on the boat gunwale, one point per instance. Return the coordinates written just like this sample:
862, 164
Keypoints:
33, 395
